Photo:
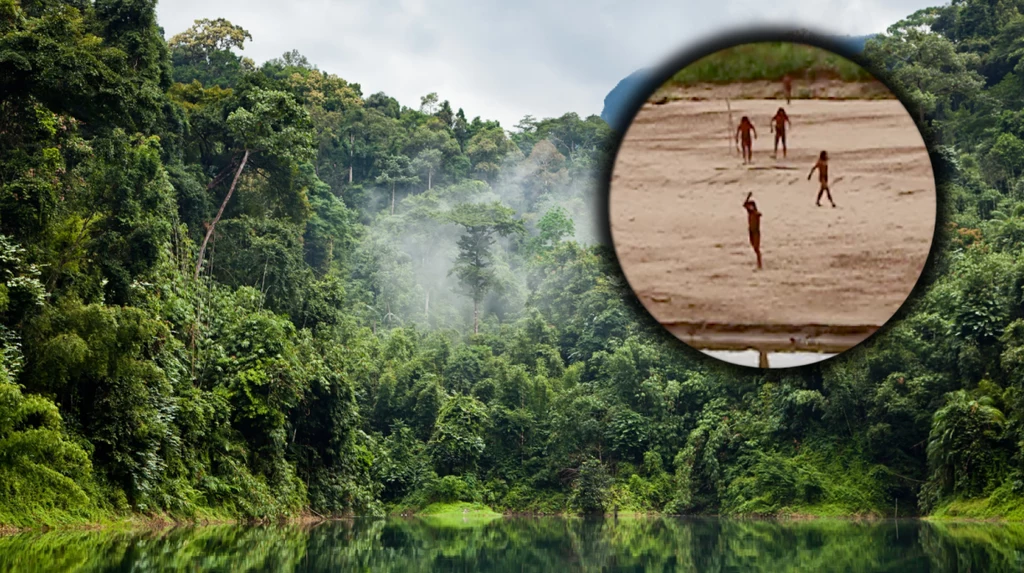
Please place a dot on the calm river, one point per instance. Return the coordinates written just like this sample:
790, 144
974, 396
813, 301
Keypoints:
531, 544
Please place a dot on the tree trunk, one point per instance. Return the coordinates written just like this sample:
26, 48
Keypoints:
476, 322
351, 157
392, 198
426, 305
224, 203
522, 453
430, 176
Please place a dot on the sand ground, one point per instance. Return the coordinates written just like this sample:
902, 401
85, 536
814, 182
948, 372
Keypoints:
680, 229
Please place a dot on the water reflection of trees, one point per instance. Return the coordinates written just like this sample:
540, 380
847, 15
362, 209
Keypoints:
516, 544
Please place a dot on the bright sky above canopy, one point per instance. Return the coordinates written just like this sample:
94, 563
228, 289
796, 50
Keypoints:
503, 60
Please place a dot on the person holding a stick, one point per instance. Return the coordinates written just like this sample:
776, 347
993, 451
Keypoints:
754, 226
745, 129
779, 123
822, 167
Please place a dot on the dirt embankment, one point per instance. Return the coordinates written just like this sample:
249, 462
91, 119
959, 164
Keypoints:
819, 89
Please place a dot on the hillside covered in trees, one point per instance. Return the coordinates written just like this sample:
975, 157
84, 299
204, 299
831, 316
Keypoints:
249, 291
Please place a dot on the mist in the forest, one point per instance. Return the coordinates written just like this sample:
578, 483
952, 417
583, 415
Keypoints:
414, 250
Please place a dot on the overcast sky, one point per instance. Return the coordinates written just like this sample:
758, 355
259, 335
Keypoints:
503, 60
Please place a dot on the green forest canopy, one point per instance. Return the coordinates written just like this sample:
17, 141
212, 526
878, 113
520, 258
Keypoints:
402, 306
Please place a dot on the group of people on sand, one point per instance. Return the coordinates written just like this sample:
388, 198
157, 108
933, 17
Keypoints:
745, 129
779, 123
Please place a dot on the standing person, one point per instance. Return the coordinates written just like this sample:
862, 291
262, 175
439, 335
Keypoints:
745, 129
787, 87
779, 123
822, 167
754, 226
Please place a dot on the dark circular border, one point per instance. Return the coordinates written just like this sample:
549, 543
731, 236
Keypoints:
658, 75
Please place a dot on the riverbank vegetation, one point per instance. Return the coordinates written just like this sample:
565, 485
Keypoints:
770, 61
246, 291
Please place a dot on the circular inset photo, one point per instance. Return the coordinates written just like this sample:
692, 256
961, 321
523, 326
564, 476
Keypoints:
772, 204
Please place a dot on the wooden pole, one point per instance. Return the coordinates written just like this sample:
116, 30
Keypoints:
897, 518
731, 126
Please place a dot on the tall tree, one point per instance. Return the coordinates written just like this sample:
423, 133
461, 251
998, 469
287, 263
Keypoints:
270, 125
473, 265
204, 52
206, 37
397, 170
428, 160
486, 148
428, 103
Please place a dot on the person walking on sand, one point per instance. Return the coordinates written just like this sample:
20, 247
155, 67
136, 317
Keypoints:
787, 87
822, 167
754, 226
779, 123
744, 130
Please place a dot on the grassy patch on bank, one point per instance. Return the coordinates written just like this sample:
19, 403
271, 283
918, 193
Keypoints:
97, 519
458, 508
769, 61
1002, 504
458, 515
39, 516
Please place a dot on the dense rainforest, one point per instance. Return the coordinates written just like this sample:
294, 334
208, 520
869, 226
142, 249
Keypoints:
249, 291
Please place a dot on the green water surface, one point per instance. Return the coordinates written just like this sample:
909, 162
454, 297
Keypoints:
531, 544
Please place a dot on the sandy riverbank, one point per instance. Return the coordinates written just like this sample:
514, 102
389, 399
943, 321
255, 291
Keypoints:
680, 230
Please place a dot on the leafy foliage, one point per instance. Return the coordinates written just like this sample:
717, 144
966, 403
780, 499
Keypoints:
404, 306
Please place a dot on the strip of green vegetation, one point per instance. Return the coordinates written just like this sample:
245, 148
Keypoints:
13, 522
770, 61
458, 508
459, 515
1002, 504
823, 480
